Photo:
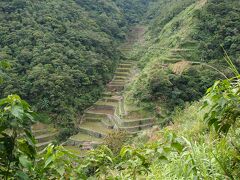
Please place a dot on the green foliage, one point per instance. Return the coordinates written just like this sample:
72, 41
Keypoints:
134, 10
98, 162
19, 158
169, 41
223, 101
116, 140
137, 161
198, 162
17, 145
66, 132
130, 162
18, 155
107, 16
184, 150
4, 65
206, 155
54, 163
160, 85
218, 24
163, 11
58, 47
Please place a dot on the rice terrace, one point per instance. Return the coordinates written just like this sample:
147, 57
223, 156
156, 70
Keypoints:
120, 89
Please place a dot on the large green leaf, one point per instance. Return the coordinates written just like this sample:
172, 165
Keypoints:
17, 111
25, 162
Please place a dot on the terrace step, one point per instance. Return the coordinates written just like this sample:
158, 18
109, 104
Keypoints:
94, 129
91, 114
124, 74
119, 78
111, 99
125, 65
137, 122
108, 123
99, 112
44, 134
80, 144
181, 50
135, 129
45, 137
118, 81
81, 137
132, 62
41, 146
189, 44
40, 128
115, 87
123, 69
40, 132
108, 103
93, 119
175, 56
126, 62
91, 132
101, 107
116, 84
107, 94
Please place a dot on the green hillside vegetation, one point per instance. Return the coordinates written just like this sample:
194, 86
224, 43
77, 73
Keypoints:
199, 145
62, 53
134, 10
135, 89
218, 24
182, 34
57, 48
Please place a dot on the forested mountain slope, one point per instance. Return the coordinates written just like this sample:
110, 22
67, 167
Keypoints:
62, 52
194, 31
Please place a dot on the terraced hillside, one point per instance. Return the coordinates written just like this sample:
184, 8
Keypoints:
44, 134
108, 114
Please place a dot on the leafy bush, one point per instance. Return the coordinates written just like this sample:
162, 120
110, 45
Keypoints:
116, 140
17, 145
173, 89
223, 101
65, 133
